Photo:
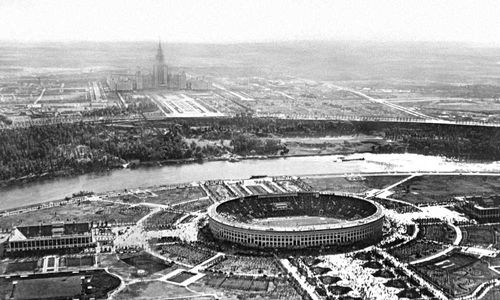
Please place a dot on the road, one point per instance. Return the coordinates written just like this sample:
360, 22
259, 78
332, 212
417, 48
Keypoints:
383, 102
40, 97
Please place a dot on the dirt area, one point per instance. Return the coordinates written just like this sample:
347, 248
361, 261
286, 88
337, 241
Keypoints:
332, 145
153, 290
85, 211
351, 185
176, 195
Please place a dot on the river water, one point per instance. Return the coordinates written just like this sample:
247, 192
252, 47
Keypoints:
58, 188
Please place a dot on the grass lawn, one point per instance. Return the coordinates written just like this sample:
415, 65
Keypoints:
181, 277
437, 188
21, 266
145, 261
48, 288
79, 261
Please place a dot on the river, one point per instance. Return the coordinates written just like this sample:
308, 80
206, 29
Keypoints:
58, 188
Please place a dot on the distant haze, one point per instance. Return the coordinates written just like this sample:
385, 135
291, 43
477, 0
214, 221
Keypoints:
411, 62
217, 21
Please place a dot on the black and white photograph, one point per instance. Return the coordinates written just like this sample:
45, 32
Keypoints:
249, 149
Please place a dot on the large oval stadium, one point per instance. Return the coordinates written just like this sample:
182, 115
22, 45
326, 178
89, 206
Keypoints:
296, 220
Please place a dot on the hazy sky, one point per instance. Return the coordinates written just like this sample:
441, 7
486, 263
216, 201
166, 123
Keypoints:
251, 20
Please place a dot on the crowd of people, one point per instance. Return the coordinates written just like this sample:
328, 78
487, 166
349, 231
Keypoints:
330, 206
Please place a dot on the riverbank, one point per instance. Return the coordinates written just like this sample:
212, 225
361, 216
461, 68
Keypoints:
119, 179
169, 162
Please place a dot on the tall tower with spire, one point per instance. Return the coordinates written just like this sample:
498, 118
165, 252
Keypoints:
160, 71
159, 54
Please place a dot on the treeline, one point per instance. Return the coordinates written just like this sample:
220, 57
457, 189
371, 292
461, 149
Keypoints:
453, 141
85, 147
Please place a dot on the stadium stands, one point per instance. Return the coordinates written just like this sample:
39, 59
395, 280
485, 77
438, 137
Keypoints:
335, 220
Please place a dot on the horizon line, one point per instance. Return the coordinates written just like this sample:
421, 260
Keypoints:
235, 42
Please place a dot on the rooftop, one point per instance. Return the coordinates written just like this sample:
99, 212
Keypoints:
50, 230
487, 202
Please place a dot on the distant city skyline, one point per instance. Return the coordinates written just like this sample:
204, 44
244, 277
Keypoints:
219, 21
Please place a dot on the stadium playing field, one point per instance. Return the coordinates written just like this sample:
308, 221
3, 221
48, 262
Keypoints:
295, 221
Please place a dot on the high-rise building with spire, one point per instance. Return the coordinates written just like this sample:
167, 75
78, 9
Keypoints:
160, 71
159, 78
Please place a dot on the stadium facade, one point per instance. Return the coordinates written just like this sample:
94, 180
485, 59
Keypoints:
353, 220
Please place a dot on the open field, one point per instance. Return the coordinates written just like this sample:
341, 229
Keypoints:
331, 145
84, 211
429, 189
153, 290
176, 195
343, 184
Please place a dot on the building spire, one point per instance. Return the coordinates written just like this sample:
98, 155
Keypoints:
159, 53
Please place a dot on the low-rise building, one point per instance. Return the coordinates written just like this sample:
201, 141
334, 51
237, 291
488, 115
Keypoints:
483, 209
56, 236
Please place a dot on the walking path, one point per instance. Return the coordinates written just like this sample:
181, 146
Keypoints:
388, 188
428, 258
293, 270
